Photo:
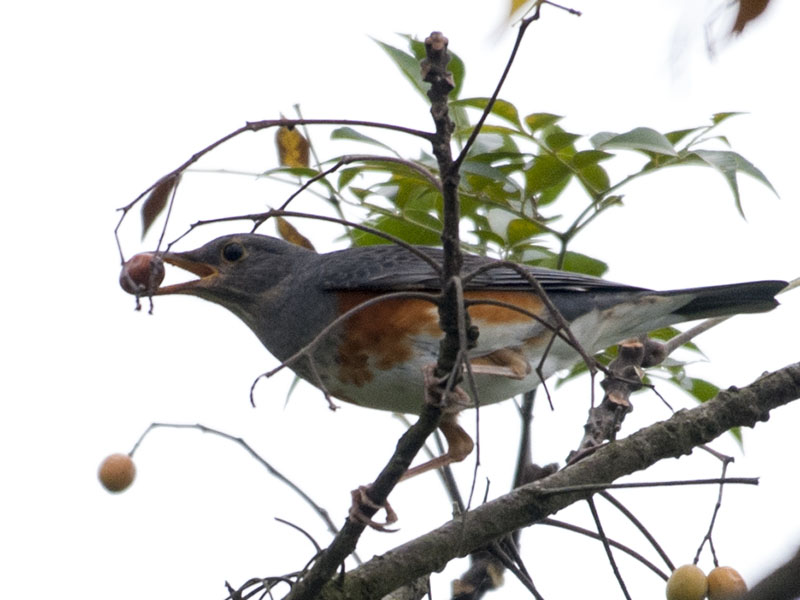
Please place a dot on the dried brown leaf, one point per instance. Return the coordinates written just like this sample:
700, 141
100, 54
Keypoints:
748, 11
288, 232
156, 201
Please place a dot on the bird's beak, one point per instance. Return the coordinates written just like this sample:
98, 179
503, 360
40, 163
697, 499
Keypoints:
204, 271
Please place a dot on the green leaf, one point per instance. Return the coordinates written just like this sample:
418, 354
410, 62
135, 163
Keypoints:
589, 157
407, 231
396, 169
545, 172
477, 167
595, 179
728, 164
667, 333
551, 193
581, 263
521, 229
427, 220
507, 154
489, 237
592, 176
642, 138
700, 389
577, 263
459, 71
676, 136
560, 139
719, 117
501, 108
486, 129
348, 133
359, 193
748, 168
408, 65
600, 138
537, 121
346, 176
530, 254
296, 171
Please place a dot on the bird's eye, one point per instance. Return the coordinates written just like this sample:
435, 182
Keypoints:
232, 252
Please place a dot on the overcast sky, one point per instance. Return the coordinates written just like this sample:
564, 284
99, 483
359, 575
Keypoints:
101, 99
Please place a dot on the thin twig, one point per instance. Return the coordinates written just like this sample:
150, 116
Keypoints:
488, 109
615, 544
260, 218
346, 160
638, 524
679, 340
707, 537
607, 547
568, 489
323, 514
301, 530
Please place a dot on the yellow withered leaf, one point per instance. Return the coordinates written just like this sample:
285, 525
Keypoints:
514, 6
292, 147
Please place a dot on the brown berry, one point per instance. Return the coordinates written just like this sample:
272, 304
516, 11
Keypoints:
117, 472
687, 583
142, 274
725, 583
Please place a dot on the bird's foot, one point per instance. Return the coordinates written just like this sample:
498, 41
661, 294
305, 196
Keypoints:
361, 499
451, 401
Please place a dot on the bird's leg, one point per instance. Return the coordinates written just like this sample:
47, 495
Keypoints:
459, 446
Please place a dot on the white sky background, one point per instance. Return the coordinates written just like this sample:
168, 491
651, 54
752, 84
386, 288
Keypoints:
100, 99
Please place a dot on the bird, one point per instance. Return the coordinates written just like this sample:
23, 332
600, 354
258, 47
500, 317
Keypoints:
362, 323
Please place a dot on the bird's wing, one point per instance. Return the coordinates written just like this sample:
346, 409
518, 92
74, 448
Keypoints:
392, 268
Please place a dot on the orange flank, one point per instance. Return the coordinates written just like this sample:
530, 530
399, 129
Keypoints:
383, 331
526, 301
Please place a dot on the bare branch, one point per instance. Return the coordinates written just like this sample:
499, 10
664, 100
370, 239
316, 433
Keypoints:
601, 534
675, 437
272, 470
260, 218
346, 160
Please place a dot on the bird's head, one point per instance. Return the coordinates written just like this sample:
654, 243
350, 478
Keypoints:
239, 271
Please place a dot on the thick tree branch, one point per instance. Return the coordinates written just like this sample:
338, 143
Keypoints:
677, 436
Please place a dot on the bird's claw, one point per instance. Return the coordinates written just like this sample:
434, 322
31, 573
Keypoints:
454, 400
361, 498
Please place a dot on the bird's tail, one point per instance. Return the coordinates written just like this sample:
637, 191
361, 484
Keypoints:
731, 299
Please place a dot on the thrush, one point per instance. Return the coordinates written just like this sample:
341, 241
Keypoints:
293, 299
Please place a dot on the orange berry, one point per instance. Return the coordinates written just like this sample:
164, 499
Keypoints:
687, 583
725, 583
117, 472
142, 274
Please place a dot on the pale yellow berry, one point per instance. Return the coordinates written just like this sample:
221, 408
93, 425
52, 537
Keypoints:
725, 583
117, 472
687, 583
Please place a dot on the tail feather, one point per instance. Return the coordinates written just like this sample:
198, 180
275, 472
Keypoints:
724, 300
